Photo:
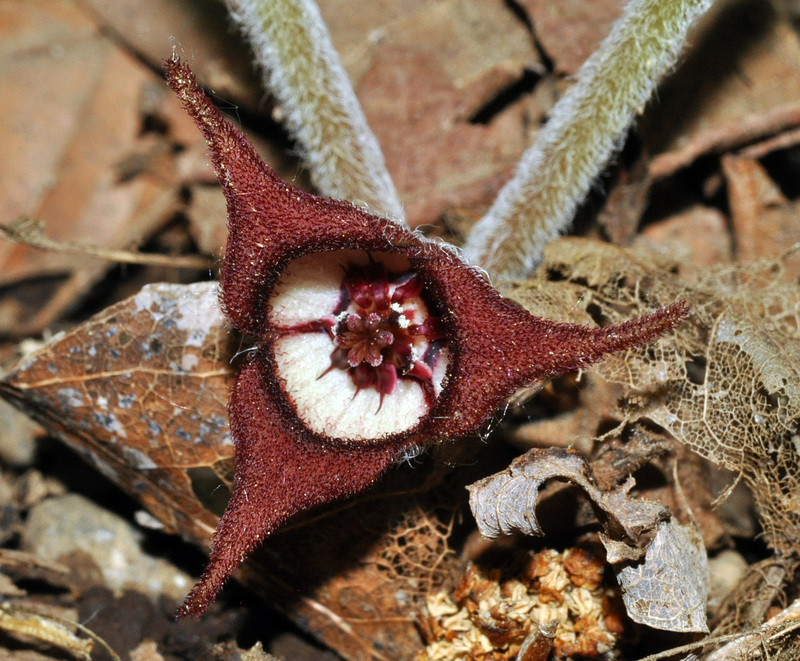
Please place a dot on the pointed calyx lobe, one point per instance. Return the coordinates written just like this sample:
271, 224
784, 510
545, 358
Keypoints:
372, 342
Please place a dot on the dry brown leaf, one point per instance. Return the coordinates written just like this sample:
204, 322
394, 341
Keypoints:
218, 55
577, 421
357, 572
474, 42
663, 583
64, 165
757, 203
627, 200
140, 390
699, 236
723, 97
569, 31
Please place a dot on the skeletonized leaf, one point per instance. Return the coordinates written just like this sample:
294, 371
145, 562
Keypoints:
726, 384
668, 589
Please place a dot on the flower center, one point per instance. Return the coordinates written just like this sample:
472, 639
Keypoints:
385, 355
363, 338
383, 330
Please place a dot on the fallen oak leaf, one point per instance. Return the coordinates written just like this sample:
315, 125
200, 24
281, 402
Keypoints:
372, 342
663, 581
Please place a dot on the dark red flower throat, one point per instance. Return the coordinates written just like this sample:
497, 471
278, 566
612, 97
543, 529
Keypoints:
373, 341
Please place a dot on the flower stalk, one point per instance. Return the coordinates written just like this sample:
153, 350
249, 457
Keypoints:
304, 72
585, 128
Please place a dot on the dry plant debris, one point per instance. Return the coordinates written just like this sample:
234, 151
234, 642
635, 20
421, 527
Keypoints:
43, 627
492, 613
660, 565
727, 385
52, 630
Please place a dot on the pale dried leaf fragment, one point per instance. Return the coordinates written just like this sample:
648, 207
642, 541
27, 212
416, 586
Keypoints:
53, 630
727, 384
533, 606
668, 589
664, 583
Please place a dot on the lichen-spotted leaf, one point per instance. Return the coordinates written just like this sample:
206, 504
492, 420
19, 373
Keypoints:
140, 391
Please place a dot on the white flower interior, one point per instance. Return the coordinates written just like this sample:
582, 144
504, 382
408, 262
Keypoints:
331, 405
352, 401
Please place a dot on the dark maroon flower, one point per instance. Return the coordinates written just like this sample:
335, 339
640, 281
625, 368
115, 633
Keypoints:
372, 341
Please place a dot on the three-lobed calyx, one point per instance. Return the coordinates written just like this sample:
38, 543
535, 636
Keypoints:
372, 341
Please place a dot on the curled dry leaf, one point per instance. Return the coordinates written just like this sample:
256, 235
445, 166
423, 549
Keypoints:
505, 503
663, 584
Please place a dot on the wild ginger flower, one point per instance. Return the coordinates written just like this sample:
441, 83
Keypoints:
372, 341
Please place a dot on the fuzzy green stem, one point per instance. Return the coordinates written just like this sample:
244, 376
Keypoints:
584, 129
304, 72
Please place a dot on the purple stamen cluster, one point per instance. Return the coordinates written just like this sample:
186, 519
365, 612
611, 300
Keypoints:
383, 330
